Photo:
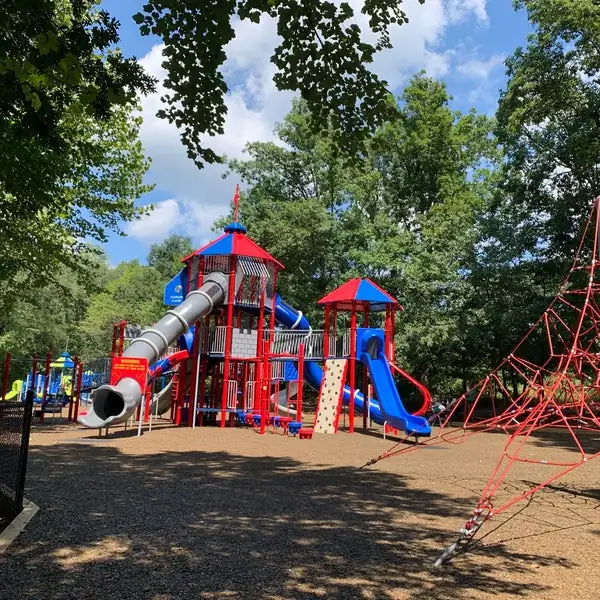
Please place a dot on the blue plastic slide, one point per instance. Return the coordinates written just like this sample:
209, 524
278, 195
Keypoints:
370, 345
389, 408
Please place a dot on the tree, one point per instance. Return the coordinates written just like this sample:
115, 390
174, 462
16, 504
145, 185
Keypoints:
45, 317
295, 207
435, 167
550, 130
322, 55
166, 256
95, 187
408, 216
548, 123
70, 161
133, 294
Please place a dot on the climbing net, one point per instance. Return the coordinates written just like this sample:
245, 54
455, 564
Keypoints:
545, 395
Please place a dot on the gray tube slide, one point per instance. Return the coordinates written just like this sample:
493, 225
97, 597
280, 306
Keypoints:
113, 404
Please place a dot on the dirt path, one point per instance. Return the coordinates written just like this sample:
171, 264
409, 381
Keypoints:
229, 514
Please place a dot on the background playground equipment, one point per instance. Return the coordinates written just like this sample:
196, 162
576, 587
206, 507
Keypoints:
51, 381
235, 352
556, 388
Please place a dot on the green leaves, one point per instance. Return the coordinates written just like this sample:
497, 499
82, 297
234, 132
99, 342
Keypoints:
166, 256
71, 165
548, 123
408, 216
322, 55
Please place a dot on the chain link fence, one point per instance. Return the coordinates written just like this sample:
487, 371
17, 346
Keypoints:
15, 424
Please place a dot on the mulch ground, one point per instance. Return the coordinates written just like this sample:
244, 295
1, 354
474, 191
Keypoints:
211, 513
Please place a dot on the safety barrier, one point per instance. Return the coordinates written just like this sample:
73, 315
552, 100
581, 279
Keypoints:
15, 425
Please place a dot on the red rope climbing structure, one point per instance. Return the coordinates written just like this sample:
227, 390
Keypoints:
551, 382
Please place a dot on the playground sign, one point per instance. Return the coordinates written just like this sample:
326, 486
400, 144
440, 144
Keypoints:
129, 366
175, 290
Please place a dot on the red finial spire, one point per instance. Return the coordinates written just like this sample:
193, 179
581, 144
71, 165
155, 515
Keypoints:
236, 203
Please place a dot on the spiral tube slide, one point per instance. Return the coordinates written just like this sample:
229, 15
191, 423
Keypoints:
112, 404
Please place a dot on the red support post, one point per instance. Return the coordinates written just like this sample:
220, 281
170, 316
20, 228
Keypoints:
352, 368
392, 333
34, 371
364, 374
299, 397
5, 375
46, 377
228, 337
115, 334
148, 403
181, 386
200, 276
123, 324
202, 391
244, 386
326, 334
334, 332
73, 382
265, 388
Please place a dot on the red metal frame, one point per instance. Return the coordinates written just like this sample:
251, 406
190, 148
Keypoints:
228, 336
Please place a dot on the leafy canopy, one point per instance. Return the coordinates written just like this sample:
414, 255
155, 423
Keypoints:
407, 216
166, 256
71, 164
322, 54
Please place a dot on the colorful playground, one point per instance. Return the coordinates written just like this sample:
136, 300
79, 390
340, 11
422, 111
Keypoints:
232, 451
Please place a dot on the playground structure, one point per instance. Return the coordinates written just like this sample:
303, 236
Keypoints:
527, 397
237, 353
52, 387
55, 383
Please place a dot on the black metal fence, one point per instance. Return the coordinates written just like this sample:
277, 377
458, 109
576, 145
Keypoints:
15, 425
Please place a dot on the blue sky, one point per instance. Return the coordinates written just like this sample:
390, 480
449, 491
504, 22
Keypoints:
462, 42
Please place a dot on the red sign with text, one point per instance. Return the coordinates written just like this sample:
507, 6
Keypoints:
129, 366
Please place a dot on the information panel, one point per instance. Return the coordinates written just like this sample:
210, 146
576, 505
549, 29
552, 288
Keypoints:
129, 366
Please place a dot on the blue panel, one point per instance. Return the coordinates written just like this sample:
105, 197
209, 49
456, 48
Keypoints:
235, 226
222, 246
175, 289
369, 293
291, 373
186, 341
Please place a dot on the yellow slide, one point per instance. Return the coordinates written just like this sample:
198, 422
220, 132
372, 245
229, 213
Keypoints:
14, 392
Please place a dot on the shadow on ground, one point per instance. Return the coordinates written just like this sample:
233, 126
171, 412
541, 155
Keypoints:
217, 525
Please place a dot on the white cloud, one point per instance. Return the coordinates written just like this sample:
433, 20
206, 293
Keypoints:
254, 105
481, 69
461, 10
183, 215
155, 226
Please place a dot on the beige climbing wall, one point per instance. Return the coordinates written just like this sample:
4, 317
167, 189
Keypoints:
330, 396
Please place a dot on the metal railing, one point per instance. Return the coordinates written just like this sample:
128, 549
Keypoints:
96, 372
250, 394
287, 343
232, 389
212, 341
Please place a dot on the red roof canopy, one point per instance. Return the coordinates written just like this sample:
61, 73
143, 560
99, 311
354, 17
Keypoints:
357, 292
234, 242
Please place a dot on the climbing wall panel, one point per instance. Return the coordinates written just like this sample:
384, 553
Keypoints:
330, 396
